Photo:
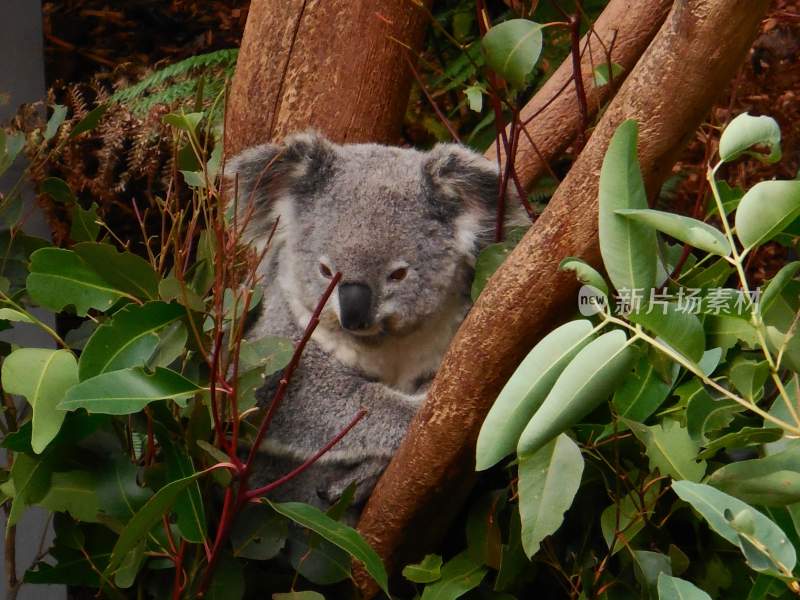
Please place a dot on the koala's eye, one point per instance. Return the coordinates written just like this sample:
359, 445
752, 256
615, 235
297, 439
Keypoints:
398, 274
325, 271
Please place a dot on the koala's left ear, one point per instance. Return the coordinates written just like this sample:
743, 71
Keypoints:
463, 190
461, 179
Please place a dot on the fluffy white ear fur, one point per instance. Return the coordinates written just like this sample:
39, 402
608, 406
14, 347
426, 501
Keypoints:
471, 179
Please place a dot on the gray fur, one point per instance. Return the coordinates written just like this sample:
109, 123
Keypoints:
365, 210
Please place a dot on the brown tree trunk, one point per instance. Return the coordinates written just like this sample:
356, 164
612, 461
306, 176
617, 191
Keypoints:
333, 65
669, 92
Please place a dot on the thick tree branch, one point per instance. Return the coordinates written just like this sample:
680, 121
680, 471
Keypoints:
669, 92
337, 66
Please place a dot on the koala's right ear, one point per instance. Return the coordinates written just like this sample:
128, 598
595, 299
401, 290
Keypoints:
262, 175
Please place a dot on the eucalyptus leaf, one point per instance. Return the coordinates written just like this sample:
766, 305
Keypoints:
586, 381
770, 481
84, 226
129, 339
428, 570
751, 135
670, 449
767, 209
43, 376
713, 505
548, 481
585, 273
339, 534
681, 330
127, 272
127, 391
673, 588
60, 278
512, 49
527, 388
629, 249
777, 284
691, 231
460, 574
146, 518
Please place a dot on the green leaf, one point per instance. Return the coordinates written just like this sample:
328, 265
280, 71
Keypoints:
648, 566
271, 353
777, 284
713, 505
307, 595
228, 581
747, 131
119, 494
128, 340
548, 482
84, 227
681, 330
10, 147
146, 518
585, 273
188, 508
673, 588
55, 121
127, 391
43, 377
705, 414
770, 481
748, 376
426, 571
626, 518
474, 94
126, 574
587, 381
484, 538
339, 534
170, 289
527, 388
459, 575
258, 533
512, 49
670, 450
690, 231
726, 331
89, 122
31, 479
9, 314
59, 278
629, 249
603, 75
184, 121
58, 190
73, 492
746, 436
126, 271
641, 393
767, 209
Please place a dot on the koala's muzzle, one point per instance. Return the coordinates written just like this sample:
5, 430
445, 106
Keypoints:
355, 304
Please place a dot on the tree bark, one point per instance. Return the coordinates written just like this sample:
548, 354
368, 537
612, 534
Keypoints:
669, 92
337, 66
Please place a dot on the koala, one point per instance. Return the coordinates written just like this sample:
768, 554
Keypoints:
404, 228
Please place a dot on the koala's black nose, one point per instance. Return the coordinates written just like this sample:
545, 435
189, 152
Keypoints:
355, 302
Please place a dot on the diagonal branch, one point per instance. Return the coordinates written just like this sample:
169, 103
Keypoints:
693, 56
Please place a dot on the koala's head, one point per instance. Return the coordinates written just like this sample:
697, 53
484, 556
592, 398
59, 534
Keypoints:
402, 226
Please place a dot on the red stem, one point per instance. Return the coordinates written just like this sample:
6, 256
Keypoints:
287, 377
265, 489
577, 74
